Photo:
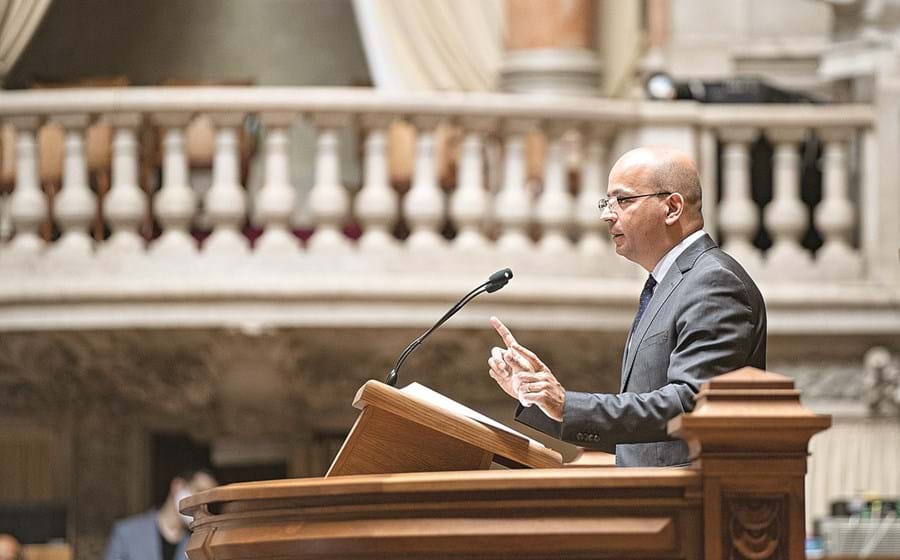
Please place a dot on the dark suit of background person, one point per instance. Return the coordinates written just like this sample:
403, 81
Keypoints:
138, 538
706, 317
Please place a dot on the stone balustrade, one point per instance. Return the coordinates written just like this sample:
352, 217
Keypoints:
552, 236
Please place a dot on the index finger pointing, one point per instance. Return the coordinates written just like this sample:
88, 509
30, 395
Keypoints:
508, 338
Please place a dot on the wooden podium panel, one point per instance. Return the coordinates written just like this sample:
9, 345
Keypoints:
525, 513
370, 448
398, 432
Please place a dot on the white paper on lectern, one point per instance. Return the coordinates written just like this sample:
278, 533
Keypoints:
433, 397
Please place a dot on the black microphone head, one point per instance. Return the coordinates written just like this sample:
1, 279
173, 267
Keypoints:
498, 279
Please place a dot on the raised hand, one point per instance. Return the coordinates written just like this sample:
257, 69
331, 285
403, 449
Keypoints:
538, 385
502, 363
501, 373
523, 376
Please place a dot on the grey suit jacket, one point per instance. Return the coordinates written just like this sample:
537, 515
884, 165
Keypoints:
706, 318
137, 538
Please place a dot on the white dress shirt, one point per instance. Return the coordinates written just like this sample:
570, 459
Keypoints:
665, 263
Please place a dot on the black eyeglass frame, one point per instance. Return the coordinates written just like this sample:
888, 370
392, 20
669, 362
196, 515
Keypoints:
605, 203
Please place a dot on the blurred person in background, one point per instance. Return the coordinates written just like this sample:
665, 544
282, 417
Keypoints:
159, 534
10, 549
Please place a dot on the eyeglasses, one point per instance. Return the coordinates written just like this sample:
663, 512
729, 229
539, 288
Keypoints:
612, 203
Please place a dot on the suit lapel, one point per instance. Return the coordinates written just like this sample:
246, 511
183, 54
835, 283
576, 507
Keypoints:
671, 281
660, 295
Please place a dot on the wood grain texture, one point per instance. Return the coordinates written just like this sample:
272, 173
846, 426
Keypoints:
575, 513
397, 432
382, 442
755, 527
47, 552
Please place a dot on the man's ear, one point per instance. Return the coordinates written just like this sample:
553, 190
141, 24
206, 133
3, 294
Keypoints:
674, 208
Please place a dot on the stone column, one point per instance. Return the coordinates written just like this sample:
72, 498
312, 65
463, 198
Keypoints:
100, 484
657, 17
550, 48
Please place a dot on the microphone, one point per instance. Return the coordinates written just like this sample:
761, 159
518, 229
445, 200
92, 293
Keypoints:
496, 281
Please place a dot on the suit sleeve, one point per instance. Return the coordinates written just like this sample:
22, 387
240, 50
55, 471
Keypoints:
713, 333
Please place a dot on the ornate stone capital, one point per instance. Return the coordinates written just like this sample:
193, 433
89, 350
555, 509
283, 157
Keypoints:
881, 383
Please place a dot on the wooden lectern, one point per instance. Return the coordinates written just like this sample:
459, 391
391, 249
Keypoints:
742, 496
398, 432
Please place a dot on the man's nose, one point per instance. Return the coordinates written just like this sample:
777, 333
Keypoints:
607, 215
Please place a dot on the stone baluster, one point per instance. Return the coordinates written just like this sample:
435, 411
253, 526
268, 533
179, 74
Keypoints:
27, 204
376, 203
75, 205
125, 204
738, 215
835, 215
786, 215
469, 204
554, 208
594, 173
277, 199
5, 220
225, 201
176, 202
424, 203
512, 207
328, 199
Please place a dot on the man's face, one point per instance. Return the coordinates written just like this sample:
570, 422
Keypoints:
636, 225
201, 482
181, 489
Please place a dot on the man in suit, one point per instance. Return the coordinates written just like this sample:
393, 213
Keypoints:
159, 534
700, 315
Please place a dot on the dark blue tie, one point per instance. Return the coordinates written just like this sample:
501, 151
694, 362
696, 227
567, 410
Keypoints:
646, 294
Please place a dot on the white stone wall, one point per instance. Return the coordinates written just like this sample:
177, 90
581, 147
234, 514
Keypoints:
780, 39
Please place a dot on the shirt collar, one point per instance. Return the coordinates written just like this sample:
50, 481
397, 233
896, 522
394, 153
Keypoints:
665, 263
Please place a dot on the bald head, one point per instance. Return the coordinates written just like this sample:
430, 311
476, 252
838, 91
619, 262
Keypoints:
663, 168
9, 547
